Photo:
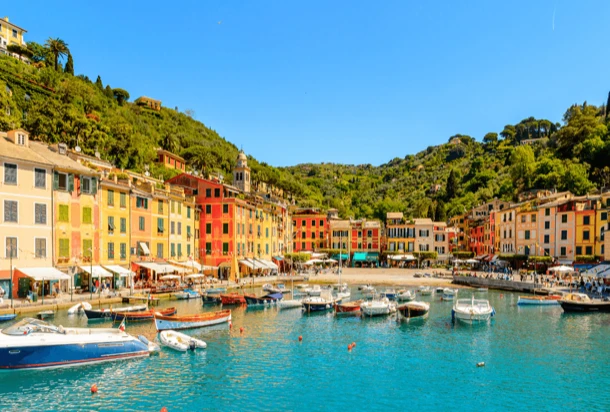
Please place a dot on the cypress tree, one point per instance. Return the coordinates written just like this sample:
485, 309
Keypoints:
607, 105
108, 92
452, 185
98, 83
70, 65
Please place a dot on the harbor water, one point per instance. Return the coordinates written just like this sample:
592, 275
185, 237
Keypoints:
536, 358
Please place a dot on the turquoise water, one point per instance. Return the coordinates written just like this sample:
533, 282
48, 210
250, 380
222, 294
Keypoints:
536, 358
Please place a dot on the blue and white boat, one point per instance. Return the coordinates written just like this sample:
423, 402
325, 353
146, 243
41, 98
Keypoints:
188, 294
7, 317
35, 344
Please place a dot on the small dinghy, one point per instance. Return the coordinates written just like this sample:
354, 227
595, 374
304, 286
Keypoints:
45, 314
79, 308
289, 304
180, 341
7, 317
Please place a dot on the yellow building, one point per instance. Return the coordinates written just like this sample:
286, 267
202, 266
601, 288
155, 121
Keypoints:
585, 230
182, 226
10, 34
601, 216
115, 223
160, 227
25, 189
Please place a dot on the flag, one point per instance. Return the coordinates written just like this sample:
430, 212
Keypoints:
122, 326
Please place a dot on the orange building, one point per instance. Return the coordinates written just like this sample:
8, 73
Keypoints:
170, 160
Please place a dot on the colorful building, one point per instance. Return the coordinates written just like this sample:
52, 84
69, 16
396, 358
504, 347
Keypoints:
309, 229
26, 229
602, 209
527, 229
148, 102
11, 34
170, 160
506, 230
400, 233
585, 226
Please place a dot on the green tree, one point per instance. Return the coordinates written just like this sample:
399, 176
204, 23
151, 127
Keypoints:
98, 83
452, 186
121, 95
58, 48
39, 53
19, 50
576, 179
9, 112
108, 92
523, 163
607, 105
70, 65
491, 138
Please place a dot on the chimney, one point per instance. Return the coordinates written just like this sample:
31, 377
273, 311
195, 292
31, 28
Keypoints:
6, 19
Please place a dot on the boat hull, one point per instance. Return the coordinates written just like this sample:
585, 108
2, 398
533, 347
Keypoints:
232, 299
141, 316
409, 311
585, 306
55, 356
317, 307
472, 318
6, 318
537, 301
289, 304
350, 307
191, 322
211, 300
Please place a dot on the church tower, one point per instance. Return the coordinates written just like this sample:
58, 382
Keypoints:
241, 173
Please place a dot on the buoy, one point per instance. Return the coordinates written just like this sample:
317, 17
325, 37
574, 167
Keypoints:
353, 344
480, 364
501, 295
241, 330
94, 388
164, 409
230, 325
300, 338
349, 347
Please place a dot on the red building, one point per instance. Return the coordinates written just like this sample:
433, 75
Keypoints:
476, 239
309, 229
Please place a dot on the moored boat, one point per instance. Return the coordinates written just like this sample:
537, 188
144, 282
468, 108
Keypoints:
472, 310
216, 290
283, 289
141, 316
389, 293
7, 317
211, 299
35, 344
579, 302
187, 294
199, 320
180, 341
348, 307
405, 295
106, 314
318, 303
268, 287
232, 299
377, 307
268, 299
439, 290
425, 290
413, 309
449, 294
538, 300
79, 308
45, 314
290, 304
316, 290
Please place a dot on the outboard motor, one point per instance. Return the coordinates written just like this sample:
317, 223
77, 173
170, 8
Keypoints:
192, 345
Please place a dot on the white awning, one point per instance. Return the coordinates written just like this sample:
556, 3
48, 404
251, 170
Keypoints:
190, 264
40, 274
195, 276
144, 248
267, 264
98, 271
119, 270
151, 265
167, 268
248, 263
169, 277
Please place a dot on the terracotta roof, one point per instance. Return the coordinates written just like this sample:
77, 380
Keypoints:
424, 221
10, 150
61, 162
394, 215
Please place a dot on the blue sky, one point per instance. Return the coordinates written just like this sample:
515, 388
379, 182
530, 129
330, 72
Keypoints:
340, 81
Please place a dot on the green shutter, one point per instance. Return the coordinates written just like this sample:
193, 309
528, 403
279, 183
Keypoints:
70, 183
93, 185
55, 180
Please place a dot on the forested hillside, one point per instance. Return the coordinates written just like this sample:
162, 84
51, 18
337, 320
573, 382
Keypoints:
52, 103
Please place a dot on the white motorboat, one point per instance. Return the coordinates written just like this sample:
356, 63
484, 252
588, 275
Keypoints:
405, 295
289, 304
187, 294
180, 341
319, 303
377, 307
268, 287
425, 290
449, 294
472, 310
316, 290
35, 344
439, 291
79, 308
303, 286
414, 309
366, 288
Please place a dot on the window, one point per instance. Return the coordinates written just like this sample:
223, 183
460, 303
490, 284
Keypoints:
208, 192
172, 228
547, 239
225, 248
424, 247
172, 250
40, 178
303, 223
303, 235
527, 235
123, 225
547, 225
160, 228
369, 233
586, 220
225, 208
578, 250
123, 199
208, 228
302, 245
160, 250
562, 251
188, 249
321, 223
142, 203
64, 213
179, 228
547, 252
313, 223
64, 248
87, 218
188, 212
63, 181
110, 250
173, 206
179, 208
179, 249
87, 248
523, 218
586, 235
110, 197
564, 218
604, 216
225, 228
10, 211
313, 235
589, 250
11, 247
208, 248
216, 192
123, 251
14, 33
160, 207
10, 174
533, 218
88, 185
111, 224
564, 235
547, 212
208, 209
40, 246
142, 223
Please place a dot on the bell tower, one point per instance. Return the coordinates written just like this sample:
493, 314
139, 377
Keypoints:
241, 173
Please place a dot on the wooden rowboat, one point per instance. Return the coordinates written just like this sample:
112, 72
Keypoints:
199, 320
232, 299
538, 300
348, 307
141, 316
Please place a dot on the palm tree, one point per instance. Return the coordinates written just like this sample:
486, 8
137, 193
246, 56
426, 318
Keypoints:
58, 47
